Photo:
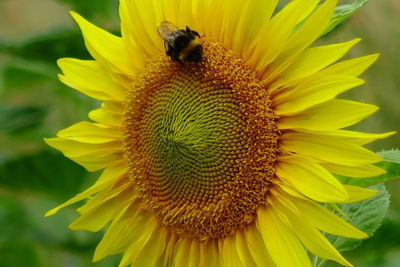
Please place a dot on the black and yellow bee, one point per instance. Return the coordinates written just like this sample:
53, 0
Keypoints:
180, 45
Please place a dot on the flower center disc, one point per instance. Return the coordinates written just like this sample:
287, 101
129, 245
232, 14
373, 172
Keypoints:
201, 142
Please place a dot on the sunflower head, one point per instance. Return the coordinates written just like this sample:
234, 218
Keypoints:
217, 137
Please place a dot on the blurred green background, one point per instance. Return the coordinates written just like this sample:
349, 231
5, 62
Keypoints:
34, 104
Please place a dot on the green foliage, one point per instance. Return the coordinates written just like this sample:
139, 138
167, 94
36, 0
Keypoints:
343, 12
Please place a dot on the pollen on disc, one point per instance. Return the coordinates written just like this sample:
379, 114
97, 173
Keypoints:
201, 142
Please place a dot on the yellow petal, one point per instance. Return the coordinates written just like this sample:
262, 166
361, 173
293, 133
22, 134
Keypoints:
99, 214
283, 246
243, 249
310, 179
281, 26
358, 138
326, 220
107, 115
257, 247
358, 193
328, 149
107, 178
125, 227
255, 16
139, 22
312, 93
89, 78
352, 67
309, 31
331, 115
182, 250
313, 60
354, 172
312, 239
91, 156
109, 50
209, 254
139, 241
230, 254
152, 250
92, 133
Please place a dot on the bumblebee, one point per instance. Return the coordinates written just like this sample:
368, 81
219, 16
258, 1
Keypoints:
181, 45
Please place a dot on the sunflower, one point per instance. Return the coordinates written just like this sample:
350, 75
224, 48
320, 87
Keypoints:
223, 162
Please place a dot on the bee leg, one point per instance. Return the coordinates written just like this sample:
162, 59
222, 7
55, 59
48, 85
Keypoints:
196, 33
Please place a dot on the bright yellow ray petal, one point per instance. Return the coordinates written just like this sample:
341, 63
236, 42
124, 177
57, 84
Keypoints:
107, 178
92, 133
328, 149
88, 77
107, 115
212, 13
310, 179
194, 254
358, 193
167, 259
182, 250
109, 50
326, 221
123, 187
209, 253
254, 16
310, 85
331, 115
142, 237
351, 67
257, 247
126, 225
98, 215
313, 60
230, 255
310, 94
354, 172
309, 31
358, 138
151, 252
91, 156
139, 22
283, 246
243, 249
312, 239
273, 36
76, 149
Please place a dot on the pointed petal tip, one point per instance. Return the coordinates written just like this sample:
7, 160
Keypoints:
75, 15
51, 212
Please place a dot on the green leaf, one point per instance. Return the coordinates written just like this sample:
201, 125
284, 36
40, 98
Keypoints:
46, 172
391, 165
343, 12
366, 215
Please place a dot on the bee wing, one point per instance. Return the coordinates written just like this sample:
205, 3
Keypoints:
167, 31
